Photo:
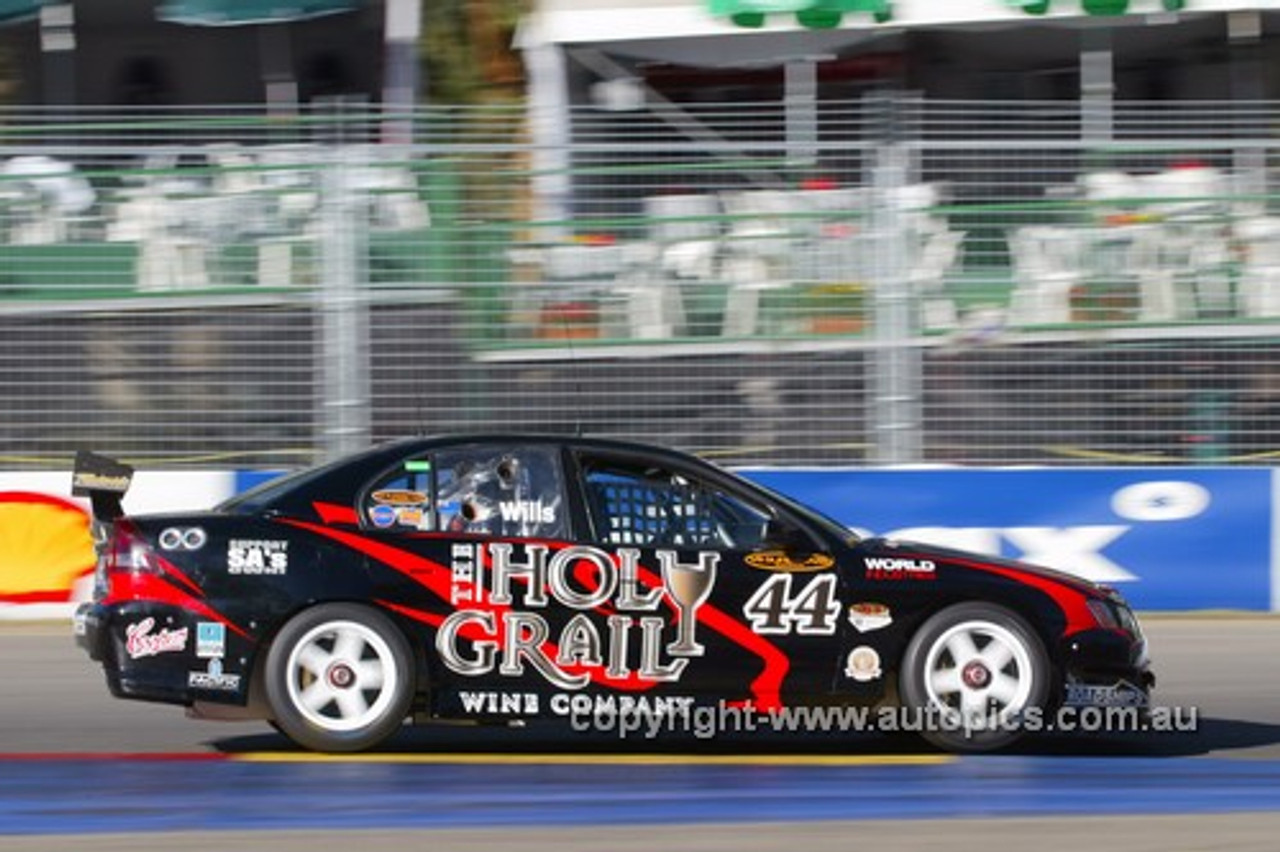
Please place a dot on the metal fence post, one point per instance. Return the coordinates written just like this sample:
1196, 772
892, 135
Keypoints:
344, 309
1097, 85
801, 109
895, 362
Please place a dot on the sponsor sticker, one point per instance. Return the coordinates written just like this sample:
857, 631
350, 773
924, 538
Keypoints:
1119, 694
895, 568
258, 556
776, 560
399, 497
178, 538
866, 617
213, 678
417, 466
382, 516
85, 481
409, 516
211, 639
863, 664
141, 642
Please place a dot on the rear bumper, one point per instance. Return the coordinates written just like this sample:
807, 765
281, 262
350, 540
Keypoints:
167, 677
89, 628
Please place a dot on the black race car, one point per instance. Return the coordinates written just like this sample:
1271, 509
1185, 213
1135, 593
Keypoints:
503, 577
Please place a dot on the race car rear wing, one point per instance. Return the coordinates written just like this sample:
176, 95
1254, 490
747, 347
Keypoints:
104, 481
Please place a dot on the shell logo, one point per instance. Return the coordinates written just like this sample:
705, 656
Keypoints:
45, 547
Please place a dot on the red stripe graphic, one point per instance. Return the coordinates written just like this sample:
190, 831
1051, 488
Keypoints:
137, 586
177, 573
113, 756
331, 513
1071, 602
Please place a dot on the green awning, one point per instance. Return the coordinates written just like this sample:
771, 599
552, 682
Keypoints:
814, 14
1094, 7
13, 11
230, 13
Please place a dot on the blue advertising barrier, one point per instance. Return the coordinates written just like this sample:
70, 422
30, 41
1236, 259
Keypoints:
1169, 538
246, 479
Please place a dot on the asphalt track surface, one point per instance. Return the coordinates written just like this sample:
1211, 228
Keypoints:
79, 769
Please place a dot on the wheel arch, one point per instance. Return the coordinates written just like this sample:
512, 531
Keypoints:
411, 629
340, 676
1034, 607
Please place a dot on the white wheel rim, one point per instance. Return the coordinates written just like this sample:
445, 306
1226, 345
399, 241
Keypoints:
978, 671
342, 676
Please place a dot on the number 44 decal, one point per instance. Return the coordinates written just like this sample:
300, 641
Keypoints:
812, 612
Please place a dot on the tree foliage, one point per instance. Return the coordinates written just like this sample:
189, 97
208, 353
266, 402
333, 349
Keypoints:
467, 51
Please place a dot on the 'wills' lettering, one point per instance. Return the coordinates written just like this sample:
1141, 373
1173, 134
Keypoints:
527, 512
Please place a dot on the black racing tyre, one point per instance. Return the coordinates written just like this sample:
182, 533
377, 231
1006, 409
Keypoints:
976, 676
339, 677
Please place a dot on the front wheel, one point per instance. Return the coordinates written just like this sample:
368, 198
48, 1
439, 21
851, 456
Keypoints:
339, 677
976, 672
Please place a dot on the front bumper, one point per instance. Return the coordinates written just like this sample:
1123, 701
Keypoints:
1106, 668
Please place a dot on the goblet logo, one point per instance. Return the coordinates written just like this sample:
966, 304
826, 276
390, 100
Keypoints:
689, 586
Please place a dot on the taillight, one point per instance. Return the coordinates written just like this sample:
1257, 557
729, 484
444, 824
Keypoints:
126, 552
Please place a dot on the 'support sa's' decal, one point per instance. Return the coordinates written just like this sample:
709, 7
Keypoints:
257, 557
464, 584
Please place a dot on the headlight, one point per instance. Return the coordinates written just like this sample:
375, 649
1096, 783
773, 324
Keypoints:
1103, 614
1128, 621
1114, 615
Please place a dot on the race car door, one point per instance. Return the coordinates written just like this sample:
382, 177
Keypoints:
479, 525
740, 620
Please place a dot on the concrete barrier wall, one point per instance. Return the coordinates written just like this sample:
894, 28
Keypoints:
1169, 538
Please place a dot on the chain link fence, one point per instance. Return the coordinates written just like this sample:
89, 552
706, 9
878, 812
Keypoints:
884, 281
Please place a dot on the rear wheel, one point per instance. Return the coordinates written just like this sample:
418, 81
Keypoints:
339, 677
975, 672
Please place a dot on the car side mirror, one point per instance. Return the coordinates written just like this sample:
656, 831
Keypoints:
791, 540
